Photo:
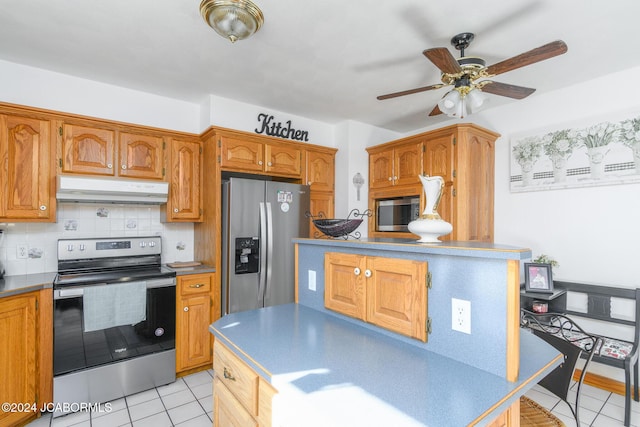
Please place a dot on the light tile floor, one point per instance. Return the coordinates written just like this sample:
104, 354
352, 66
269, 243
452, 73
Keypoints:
188, 402
598, 408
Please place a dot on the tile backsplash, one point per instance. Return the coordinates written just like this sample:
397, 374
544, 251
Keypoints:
37, 242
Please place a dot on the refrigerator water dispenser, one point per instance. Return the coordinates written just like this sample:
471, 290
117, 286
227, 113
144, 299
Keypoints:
247, 255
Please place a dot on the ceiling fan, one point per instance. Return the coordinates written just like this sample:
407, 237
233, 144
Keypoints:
468, 75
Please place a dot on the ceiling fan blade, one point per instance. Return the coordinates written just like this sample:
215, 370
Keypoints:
409, 92
538, 54
443, 59
435, 111
504, 89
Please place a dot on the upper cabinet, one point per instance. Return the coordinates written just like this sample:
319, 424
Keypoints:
320, 169
251, 155
27, 175
463, 155
92, 150
395, 165
185, 202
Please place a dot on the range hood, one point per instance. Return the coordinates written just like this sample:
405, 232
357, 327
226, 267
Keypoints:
111, 190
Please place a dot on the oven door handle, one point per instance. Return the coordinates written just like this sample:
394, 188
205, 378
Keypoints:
67, 293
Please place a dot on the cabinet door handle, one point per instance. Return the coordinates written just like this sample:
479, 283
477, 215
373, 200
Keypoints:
186, 309
356, 271
124, 167
109, 166
176, 210
197, 285
43, 208
228, 375
367, 273
390, 178
260, 162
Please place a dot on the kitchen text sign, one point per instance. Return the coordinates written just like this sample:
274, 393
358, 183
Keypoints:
269, 126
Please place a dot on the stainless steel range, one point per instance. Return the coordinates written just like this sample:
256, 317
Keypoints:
114, 319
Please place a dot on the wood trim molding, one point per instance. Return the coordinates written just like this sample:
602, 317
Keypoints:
513, 320
601, 382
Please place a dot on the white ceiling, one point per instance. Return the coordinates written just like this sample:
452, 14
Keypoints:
326, 60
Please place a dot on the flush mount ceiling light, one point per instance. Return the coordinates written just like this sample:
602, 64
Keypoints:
232, 19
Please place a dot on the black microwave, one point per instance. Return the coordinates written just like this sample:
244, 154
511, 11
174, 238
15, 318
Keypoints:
396, 214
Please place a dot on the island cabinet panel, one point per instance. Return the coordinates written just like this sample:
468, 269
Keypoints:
387, 292
397, 296
344, 288
26, 177
227, 410
241, 398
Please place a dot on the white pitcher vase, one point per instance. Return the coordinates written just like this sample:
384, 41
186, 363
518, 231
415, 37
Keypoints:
430, 225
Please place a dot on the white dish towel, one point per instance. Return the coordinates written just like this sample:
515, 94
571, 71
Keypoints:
107, 306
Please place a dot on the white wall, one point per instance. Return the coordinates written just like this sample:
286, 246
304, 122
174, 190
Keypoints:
352, 138
35, 87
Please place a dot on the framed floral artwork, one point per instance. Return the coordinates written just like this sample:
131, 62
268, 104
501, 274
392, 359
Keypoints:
583, 154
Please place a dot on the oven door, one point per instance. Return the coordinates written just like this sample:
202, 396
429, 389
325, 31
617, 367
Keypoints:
75, 349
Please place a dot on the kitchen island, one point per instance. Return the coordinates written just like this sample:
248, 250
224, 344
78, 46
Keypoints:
331, 372
310, 365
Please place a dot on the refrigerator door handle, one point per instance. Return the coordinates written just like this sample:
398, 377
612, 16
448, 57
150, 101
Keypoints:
262, 276
267, 282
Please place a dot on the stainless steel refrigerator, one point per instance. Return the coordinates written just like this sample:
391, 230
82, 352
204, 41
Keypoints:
259, 221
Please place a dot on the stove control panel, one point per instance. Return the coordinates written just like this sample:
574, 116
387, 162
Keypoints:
73, 249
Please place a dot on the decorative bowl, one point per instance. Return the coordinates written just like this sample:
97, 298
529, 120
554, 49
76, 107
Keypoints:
337, 227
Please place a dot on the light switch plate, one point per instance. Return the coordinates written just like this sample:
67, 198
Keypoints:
312, 280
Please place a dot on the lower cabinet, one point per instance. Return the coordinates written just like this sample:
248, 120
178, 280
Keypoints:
240, 397
26, 346
387, 292
194, 302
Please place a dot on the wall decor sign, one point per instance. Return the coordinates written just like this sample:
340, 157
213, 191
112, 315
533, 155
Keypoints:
601, 153
269, 126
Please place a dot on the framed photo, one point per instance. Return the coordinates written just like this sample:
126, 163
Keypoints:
537, 278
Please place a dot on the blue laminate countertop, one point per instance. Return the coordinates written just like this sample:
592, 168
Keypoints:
14, 285
332, 372
457, 248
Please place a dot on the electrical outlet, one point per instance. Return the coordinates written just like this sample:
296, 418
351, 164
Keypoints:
312, 280
22, 251
461, 315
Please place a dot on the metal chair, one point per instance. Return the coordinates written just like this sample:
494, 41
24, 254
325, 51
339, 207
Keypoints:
567, 337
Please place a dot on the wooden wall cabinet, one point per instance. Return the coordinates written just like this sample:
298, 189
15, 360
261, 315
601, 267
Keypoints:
464, 156
26, 346
27, 176
320, 176
185, 202
195, 312
250, 155
90, 149
240, 397
395, 164
387, 292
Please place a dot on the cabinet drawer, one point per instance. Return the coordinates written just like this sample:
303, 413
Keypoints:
239, 378
227, 410
195, 284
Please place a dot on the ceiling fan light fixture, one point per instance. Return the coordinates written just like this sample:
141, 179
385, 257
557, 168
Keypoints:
232, 19
476, 99
449, 102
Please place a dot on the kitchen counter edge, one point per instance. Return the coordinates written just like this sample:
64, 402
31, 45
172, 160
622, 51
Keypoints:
20, 284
